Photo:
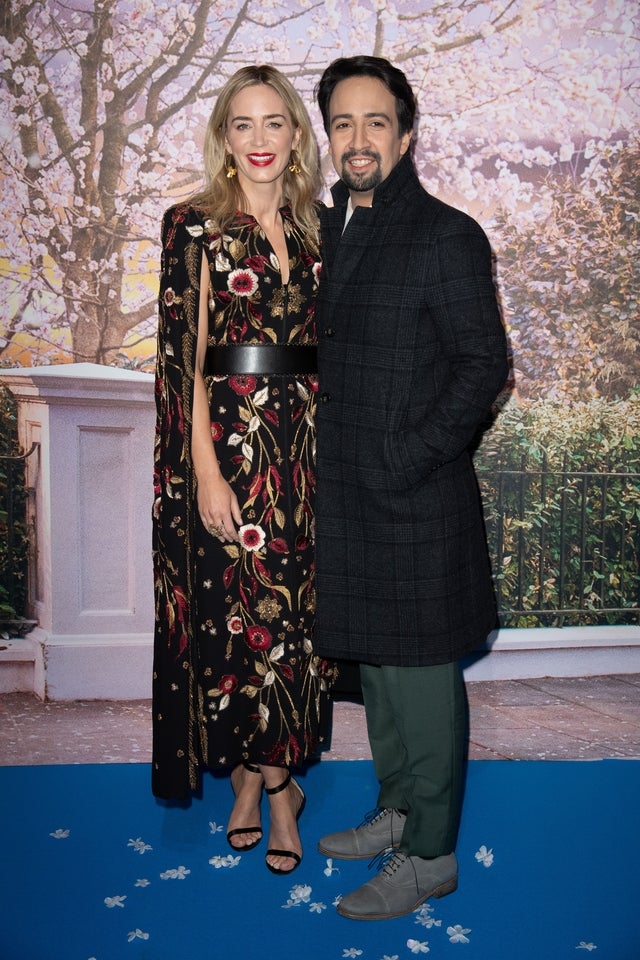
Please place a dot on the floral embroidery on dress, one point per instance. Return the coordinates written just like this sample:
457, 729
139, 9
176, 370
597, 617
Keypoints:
256, 685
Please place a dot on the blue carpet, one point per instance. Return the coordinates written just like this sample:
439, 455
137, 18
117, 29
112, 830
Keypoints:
94, 869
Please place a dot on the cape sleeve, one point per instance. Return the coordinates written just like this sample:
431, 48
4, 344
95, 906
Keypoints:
175, 740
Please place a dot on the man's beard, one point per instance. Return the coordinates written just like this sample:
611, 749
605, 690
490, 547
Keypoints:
361, 182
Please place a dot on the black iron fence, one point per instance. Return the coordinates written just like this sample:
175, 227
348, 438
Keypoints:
565, 545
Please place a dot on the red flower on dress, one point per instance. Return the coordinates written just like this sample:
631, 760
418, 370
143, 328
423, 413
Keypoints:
169, 296
258, 638
257, 263
216, 431
228, 684
242, 384
243, 283
251, 537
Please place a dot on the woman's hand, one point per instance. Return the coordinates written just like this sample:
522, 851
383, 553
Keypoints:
218, 507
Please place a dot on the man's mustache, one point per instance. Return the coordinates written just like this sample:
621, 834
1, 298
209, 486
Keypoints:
348, 154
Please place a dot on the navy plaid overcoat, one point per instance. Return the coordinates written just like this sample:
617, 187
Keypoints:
412, 354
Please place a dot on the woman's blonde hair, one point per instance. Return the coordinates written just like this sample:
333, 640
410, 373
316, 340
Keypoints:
221, 196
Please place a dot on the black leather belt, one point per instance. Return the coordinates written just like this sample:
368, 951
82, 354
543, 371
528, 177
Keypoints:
260, 358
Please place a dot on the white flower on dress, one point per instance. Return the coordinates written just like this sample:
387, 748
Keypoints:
142, 883
586, 946
242, 282
351, 952
176, 873
252, 537
60, 834
112, 902
214, 827
418, 946
458, 934
139, 846
317, 907
484, 856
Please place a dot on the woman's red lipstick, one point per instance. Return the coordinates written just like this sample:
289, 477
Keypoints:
261, 159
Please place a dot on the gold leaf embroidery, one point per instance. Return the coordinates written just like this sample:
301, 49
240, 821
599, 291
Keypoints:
237, 249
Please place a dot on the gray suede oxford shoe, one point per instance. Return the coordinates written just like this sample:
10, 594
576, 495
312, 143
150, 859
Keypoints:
400, 887
381, 830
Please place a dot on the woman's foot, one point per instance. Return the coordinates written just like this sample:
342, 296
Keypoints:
286, 803
244, 831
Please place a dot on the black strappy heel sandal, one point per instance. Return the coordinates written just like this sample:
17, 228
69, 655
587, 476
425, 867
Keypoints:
286, 853
242, 831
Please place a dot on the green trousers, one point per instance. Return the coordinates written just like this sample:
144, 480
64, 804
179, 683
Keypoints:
417, 726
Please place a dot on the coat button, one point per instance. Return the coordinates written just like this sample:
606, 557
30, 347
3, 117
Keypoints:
325, 397
329, 332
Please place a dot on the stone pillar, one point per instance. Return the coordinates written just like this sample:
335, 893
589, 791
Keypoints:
90, 486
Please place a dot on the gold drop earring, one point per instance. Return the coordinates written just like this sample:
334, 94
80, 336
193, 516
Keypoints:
229, 166
294, 166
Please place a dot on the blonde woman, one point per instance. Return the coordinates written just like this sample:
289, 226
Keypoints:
236, 681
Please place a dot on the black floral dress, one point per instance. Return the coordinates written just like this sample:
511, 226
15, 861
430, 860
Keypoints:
235, 674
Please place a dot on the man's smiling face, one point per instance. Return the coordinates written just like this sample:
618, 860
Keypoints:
364, 135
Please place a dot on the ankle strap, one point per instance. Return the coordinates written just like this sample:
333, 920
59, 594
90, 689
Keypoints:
282, 786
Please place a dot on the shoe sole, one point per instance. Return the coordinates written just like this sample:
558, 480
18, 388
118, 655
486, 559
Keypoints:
450, 886
325, 851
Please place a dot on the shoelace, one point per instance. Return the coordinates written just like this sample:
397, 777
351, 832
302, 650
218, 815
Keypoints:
375, 815
389, 861
380, 813
383, 859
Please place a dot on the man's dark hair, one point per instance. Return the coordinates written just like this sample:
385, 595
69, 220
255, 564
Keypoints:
365, 66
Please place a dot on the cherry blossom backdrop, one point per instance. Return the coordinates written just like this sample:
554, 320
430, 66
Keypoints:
528, 119
526, 110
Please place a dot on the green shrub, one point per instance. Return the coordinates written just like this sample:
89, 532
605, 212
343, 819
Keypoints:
13, 532
561, 492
